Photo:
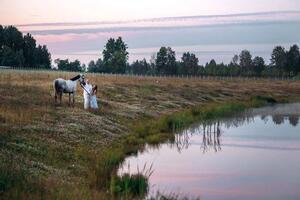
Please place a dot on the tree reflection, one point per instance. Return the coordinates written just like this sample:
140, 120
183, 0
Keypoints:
294, 120
278, 119
210, 132
182, 140
211, 137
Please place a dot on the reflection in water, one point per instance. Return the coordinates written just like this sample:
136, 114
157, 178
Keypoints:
211, 130
211, 137
253, 155
279, 119
294, 120
211, 133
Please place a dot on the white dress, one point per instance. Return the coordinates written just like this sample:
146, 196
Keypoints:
86, 95
94, 104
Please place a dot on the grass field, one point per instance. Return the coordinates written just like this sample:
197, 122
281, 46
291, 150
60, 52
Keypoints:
52, 151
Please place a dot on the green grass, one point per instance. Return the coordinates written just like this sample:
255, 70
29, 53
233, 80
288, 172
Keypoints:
154, 132
16, 180
10, 176
131, 185
107, 166
171, 123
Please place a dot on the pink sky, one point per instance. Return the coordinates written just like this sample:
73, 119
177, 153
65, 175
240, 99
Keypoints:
38, 11
78, 29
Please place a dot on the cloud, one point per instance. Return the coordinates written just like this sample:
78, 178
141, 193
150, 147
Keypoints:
204, 35
161, 23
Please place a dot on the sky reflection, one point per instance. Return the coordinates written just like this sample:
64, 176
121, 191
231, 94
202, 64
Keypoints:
249, 156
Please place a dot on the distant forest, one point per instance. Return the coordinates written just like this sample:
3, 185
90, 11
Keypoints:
283, 63
22, 51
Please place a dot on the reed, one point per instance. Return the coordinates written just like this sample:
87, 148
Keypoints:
132, 185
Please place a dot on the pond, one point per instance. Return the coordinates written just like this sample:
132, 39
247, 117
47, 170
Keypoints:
253, 155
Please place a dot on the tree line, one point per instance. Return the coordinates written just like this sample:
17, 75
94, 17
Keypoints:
115, 56
18, 50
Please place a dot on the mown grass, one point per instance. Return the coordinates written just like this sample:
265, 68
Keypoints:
63, 152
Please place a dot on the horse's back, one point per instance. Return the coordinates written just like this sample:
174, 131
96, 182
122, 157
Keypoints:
59, 85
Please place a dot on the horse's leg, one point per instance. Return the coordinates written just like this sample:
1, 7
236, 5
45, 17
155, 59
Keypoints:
60, 97
69, 99
73, 95
55, 97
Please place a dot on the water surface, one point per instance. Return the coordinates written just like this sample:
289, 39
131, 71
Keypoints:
253, 155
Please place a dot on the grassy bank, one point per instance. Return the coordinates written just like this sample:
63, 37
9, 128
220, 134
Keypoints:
157, 131
49, 151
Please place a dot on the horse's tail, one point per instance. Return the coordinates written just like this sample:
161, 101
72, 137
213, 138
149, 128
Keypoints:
55, 85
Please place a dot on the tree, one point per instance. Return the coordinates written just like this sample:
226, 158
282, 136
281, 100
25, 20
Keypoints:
189, 63
65, 65
1, 37
92, 66
245, 62
46, 57
8, 57
211, 67
13, 38
235, 60
233, 68
96, 67
75, 66
42, 57
293, 60
16, 50
115, 55
279, 58
140, 67
29, 46
258, 65
166, 61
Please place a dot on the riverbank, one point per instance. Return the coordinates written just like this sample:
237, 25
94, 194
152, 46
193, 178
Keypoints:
65, 152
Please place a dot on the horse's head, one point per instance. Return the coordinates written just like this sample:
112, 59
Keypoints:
82, 79
79, 78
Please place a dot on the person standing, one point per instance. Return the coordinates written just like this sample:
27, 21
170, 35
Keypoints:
87, 90
94, 104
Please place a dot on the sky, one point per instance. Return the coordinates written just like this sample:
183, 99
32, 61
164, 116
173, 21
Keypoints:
40, 11
79, 29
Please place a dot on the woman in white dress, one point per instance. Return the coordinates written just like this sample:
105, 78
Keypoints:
87, 90
94, 104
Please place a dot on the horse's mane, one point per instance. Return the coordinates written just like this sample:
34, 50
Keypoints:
75, 78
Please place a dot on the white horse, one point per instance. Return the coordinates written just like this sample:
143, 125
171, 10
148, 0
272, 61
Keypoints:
67, 86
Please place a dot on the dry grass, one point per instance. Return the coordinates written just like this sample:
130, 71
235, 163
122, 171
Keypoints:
59, 145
